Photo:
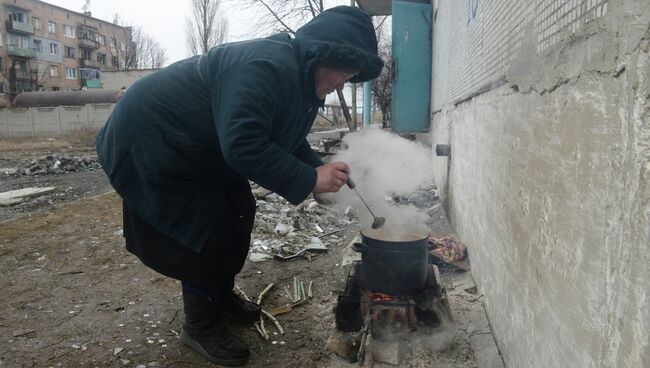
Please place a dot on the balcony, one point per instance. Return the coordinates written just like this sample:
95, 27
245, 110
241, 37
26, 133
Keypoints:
25, 75
21, 52
87, 43
87, 63
19, 27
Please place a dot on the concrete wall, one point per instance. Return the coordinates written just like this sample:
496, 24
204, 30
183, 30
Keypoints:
51, 121
549, 185
118, 79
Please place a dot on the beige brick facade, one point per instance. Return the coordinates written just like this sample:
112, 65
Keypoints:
46, 47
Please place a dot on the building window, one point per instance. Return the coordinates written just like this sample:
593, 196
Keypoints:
38, 46
90, 73
85, 54
17, 17
114, 61
70, 52
54, 48
51, 27
102, 40
2, 88
101, 58
68, 31
21, 42
54, 71
56, 88
113, 43
70, 73
36, 21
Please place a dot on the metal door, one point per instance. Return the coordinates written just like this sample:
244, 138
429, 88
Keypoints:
412, 68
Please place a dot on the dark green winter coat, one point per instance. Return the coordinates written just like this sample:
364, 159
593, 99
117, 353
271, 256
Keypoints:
181, 135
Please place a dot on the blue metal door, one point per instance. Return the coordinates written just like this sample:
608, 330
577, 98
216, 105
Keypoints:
412, 68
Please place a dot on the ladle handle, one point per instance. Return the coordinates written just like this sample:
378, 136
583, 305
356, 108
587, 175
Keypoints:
350, 183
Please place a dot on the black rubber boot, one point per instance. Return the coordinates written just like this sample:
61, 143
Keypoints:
205, 332
240, 310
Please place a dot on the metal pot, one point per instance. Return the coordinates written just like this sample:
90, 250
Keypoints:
391, 263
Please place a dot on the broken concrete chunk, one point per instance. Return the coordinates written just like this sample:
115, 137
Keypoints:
15, 196
117, 351
344, 346
283, 229
316, 244
385, 352
259, 257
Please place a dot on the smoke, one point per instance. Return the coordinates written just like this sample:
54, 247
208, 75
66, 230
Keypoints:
383, 164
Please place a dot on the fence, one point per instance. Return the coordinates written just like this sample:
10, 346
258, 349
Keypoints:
48, 121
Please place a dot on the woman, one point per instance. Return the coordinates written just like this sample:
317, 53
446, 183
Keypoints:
183, 143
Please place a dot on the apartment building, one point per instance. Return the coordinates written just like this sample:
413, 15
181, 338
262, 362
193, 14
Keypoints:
44, 47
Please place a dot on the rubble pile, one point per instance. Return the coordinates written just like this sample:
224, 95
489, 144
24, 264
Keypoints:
423, 198
283, 230
56, 164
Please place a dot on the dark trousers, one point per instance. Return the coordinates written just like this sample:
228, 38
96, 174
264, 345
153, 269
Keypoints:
220, 259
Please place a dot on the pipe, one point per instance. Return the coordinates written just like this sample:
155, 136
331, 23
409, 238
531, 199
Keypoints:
367, 103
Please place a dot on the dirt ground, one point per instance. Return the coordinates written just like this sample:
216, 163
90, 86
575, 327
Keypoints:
72, 296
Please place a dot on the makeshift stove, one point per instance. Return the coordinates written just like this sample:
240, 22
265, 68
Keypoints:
389, 320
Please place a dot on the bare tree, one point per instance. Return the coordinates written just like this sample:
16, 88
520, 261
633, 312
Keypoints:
135, 50
382, 86
285, 15
205, 27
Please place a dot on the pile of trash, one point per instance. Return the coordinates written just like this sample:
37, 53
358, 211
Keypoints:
55, 164
284, 231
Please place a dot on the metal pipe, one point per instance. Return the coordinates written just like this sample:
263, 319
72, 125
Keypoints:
367, 103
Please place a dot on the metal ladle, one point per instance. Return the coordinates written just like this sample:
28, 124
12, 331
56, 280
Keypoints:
377, 222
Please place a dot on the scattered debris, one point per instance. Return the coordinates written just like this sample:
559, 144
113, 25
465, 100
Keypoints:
116, 351
20, 333
54, 164
259, 257
284, 231
450, 251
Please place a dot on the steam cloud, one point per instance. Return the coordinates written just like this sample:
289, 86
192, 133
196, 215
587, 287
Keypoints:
382, 164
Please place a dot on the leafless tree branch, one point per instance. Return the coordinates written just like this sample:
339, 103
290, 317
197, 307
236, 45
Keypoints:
205, 27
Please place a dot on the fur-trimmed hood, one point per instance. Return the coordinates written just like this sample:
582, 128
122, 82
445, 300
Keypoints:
343, 35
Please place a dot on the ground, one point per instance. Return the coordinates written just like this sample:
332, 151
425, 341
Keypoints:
72, 296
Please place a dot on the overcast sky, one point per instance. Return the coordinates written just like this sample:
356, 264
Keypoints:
165, 20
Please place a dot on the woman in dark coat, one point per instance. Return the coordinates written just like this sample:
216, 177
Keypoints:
183, 143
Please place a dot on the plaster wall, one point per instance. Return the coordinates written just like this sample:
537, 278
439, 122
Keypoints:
549, 185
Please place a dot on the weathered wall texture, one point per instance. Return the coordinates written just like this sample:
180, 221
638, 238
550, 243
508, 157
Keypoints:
549, 184
52, 121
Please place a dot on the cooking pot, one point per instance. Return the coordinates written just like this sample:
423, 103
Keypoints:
393, 262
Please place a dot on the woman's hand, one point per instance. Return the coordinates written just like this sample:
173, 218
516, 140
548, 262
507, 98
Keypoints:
331, 177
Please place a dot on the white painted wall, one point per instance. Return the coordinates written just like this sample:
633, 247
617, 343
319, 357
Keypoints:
549, 185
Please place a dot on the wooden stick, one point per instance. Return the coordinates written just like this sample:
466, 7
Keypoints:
286, 290
257, 327
275, 321
242, 293
296, 289
259, 298
309, 293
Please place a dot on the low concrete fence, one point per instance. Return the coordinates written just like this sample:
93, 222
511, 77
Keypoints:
48, 121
